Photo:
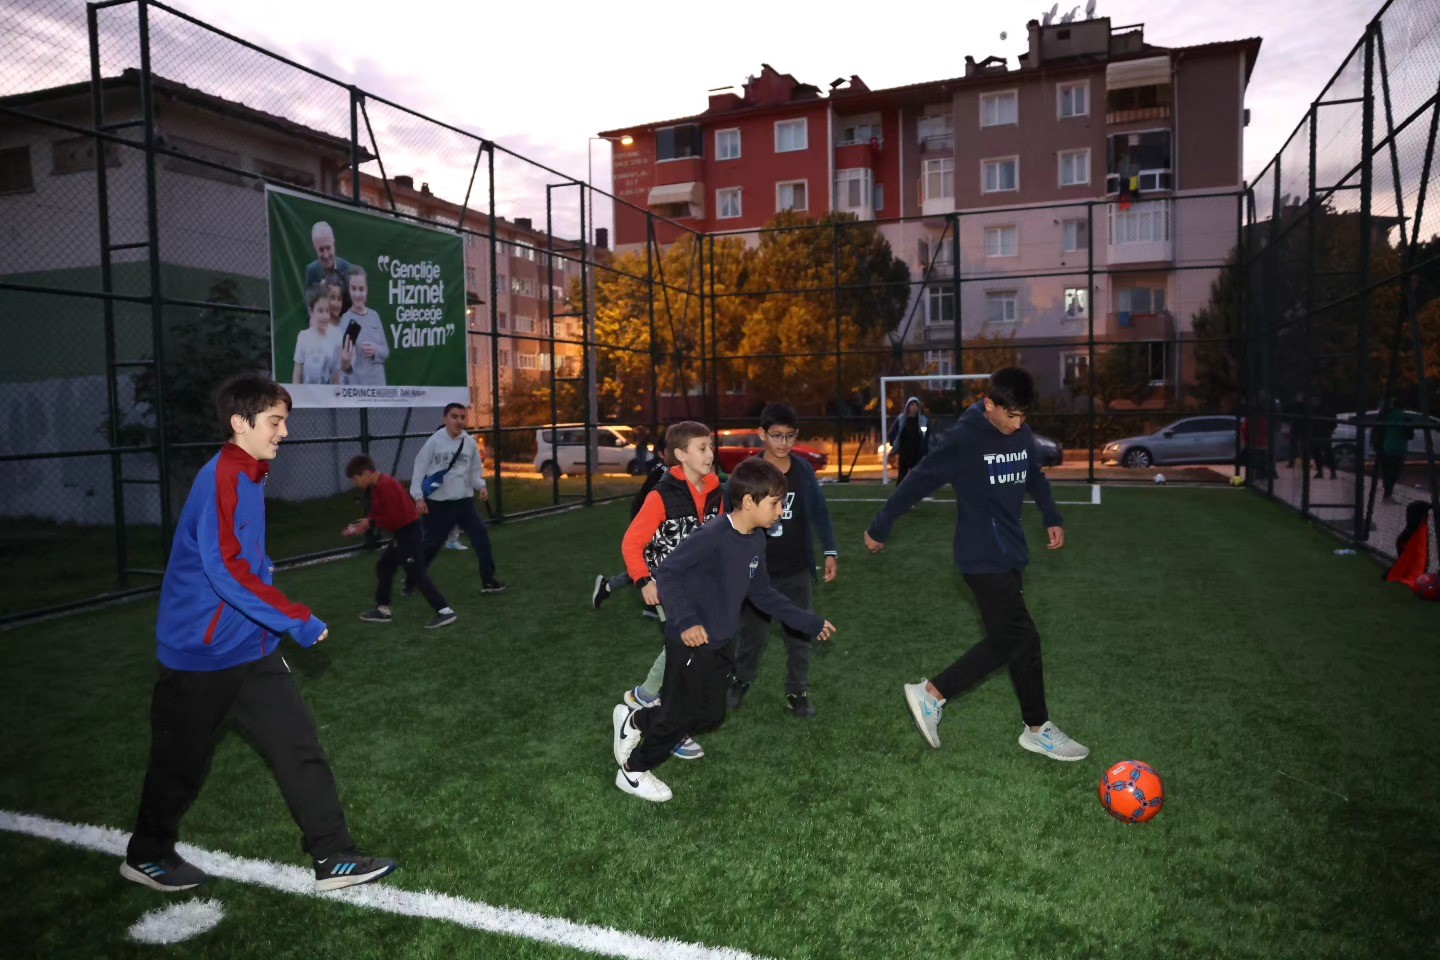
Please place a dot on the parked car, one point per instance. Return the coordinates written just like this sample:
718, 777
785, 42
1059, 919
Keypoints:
1051, 453
732, 446
1209, 439
561, 449
1344, 436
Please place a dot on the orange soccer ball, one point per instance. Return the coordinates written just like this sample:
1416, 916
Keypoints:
1132, 791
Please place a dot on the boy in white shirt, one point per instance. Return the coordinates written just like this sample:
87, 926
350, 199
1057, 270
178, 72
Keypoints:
317, 349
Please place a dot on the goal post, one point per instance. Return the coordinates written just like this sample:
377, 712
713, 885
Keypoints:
885, 418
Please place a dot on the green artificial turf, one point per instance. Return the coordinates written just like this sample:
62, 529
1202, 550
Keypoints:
1206, 632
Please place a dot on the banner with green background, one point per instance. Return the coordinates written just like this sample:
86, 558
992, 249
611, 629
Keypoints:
366, 310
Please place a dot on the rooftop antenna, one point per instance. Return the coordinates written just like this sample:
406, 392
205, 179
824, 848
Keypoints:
1090, 10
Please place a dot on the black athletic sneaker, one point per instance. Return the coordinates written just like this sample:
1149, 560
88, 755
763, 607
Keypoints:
376, 616
492, 586
442, 620
168, 875
735, 696
800, 705
349, 869
601, 593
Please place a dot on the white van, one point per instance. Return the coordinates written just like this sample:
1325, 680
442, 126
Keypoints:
561, 449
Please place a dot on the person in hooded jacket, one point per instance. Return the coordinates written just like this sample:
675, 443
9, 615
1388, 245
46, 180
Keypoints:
910, 435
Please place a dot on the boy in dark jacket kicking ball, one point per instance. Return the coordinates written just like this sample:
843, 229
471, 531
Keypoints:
704, 584
989, 458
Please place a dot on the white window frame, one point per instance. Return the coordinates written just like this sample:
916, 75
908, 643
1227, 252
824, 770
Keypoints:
995, 240
720, 197
1060, 89
1060, 160
934, 315
944, 167
1069, 356
993, 297
1081, 232
1144, 222
781, 185
944, 366
997, 97
1083, 294
520, 358
985, 166
504, 356
804, 124
719, 153
843, 178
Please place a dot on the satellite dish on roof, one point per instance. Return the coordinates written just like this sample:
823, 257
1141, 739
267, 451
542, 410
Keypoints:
1070, 17
1053, 11
1090, 10
1045, 20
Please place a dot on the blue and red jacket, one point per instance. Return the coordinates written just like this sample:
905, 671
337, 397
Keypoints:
218, 608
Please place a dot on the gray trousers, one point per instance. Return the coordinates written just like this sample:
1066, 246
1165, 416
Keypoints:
755, 634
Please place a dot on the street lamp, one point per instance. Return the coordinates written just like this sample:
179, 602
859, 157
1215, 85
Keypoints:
592, 402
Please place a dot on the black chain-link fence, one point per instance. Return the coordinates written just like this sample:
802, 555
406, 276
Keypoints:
137, 142
1343, 292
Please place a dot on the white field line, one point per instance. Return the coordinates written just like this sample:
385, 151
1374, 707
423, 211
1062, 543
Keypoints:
385, 897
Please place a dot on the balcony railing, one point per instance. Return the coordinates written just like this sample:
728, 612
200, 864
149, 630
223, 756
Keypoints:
1150, 180
940, 143
1129, 114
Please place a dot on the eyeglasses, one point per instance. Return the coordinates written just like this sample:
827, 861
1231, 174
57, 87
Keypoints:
783, 437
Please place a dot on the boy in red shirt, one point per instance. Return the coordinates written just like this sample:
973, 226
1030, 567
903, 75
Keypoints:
392, 508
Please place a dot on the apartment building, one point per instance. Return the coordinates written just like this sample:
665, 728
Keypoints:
1098, 167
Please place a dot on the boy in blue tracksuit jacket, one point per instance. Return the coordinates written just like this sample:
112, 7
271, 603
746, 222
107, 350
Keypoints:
218, 638
989, 458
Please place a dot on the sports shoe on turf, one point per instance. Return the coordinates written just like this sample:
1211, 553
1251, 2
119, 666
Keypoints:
687, 749
735, 696
442, 620
167, 875
645, 785
650, 613
637, 699
349, 869
627, 738
601, 592
492, 586
376, 616
1053, 743
800, 705
455, 545
926, 710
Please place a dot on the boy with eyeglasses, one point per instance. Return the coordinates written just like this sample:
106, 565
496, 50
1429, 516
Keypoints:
790, 558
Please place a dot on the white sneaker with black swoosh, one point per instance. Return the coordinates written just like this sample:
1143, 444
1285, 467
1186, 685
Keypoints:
627, 738
644, 785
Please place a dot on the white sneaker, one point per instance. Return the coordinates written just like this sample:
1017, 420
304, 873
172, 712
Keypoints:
926, 710
645, 785
1053, 743
627, 738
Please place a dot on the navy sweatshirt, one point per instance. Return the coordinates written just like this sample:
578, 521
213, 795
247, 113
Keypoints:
708, 578
991, 473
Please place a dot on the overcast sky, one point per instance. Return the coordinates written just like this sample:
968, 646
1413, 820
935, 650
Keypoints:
541, 78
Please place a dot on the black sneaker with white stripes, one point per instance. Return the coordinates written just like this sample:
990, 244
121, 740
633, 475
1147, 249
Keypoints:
349, 869
168, 875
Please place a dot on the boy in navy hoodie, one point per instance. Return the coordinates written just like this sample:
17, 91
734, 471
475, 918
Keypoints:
704, 583
989, 458
218, 636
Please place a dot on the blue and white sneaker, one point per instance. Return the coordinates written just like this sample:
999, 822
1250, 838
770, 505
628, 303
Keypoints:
687, 749
926, 710
350, 868
1053, 743
168, 875
627, 738
637, 699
